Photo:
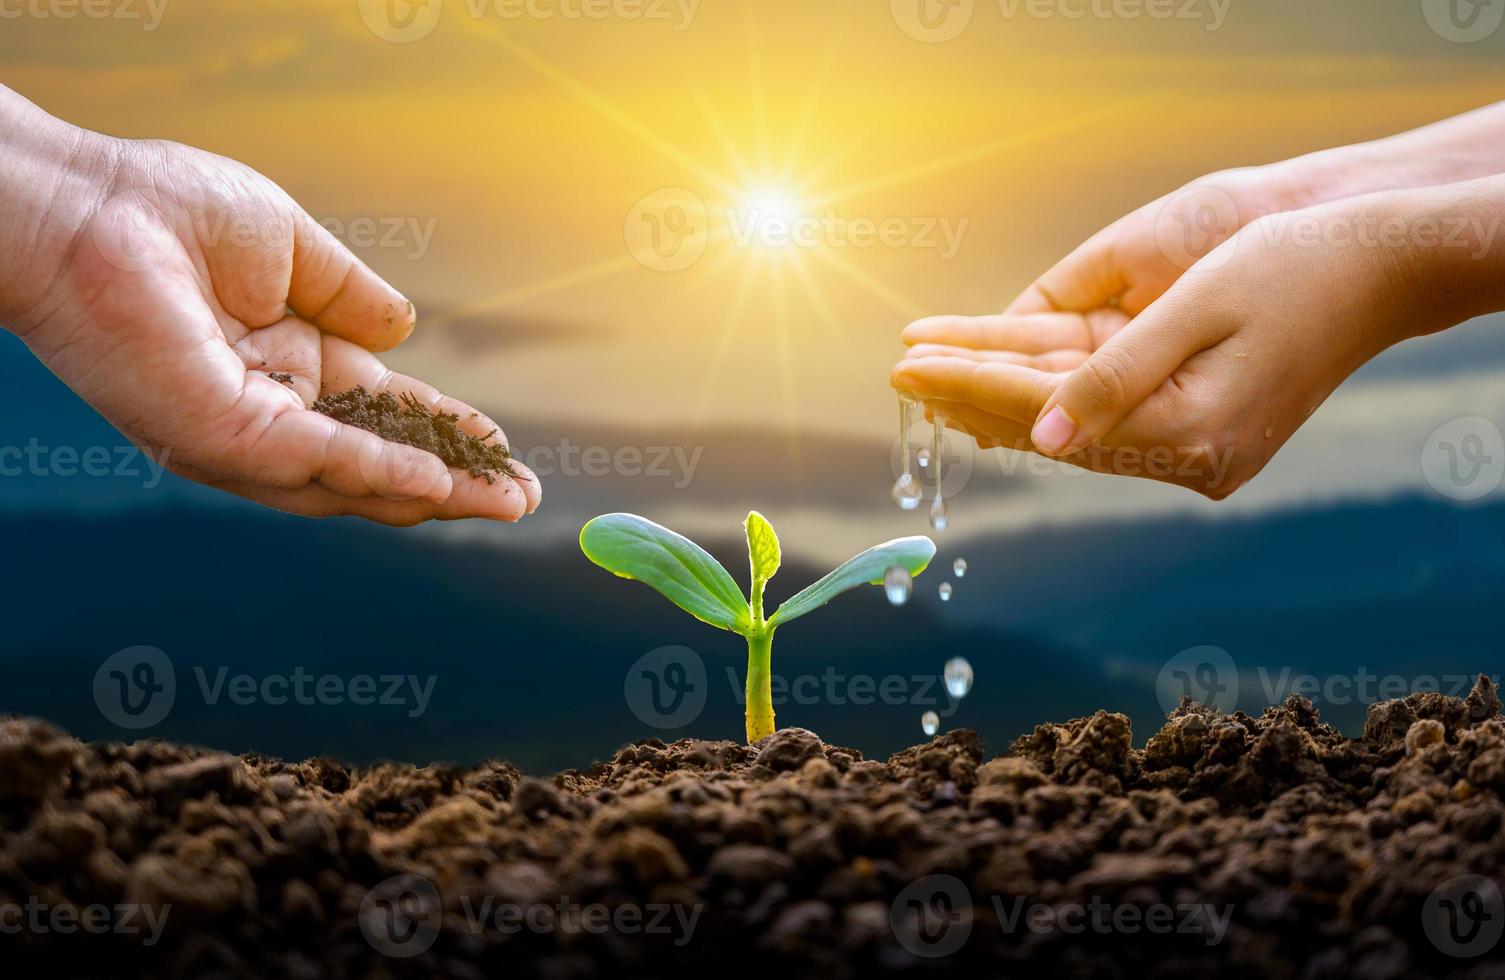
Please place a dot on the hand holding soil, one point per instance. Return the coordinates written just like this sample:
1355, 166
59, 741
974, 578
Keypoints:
168, 286
1189, 340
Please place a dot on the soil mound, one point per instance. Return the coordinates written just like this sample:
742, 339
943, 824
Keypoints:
1229, 845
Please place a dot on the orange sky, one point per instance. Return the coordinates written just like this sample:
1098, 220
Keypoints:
502, 159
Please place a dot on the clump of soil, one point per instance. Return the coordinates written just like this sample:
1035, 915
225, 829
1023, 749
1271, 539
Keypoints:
1318, 854
405, 420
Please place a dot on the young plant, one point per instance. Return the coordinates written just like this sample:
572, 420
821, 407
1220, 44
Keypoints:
635, 548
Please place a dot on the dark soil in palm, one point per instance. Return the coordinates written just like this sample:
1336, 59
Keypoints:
404, 420
1318, 854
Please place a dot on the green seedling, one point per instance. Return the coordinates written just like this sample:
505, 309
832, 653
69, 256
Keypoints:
635, 548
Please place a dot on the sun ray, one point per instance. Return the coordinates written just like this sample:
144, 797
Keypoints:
572, 277
875, 286
786, 372
604, 106
817, 297
755, 69
723, 135
812, 102
724, 343
963, 157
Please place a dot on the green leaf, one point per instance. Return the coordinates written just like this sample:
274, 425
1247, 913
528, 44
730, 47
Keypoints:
762, 550
868, 568
680, 570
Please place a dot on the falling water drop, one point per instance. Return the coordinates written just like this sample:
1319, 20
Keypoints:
945, 591
940, 515
958, 674
930, 722
897, 585
907, 492
923, 458
959, 568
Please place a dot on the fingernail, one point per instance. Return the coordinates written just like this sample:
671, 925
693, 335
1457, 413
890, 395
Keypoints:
1054, 432
440, 492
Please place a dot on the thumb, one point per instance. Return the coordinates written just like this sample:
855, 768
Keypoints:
339, 293
1122, 373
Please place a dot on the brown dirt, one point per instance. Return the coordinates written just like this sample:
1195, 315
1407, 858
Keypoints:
404, 420
1323, 851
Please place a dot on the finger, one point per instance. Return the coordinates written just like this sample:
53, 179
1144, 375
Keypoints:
340, 295
1009, 390
989, 430
1058, 361
1033, 334
1125, 371
1087, 279
346, 366
302, 446
472, 499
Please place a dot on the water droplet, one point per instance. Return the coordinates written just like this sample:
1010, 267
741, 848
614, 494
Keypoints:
945, 591
959, 568
907, 492
940, 514
923, 458
930, 722
958, 675
897, 585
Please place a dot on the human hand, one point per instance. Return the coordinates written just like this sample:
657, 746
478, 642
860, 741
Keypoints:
157, 281
1208, 382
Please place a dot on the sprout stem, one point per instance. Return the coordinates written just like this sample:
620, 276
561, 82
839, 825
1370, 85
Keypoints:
759, 684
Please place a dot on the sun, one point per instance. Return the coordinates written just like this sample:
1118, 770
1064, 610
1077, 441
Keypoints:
772, 204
